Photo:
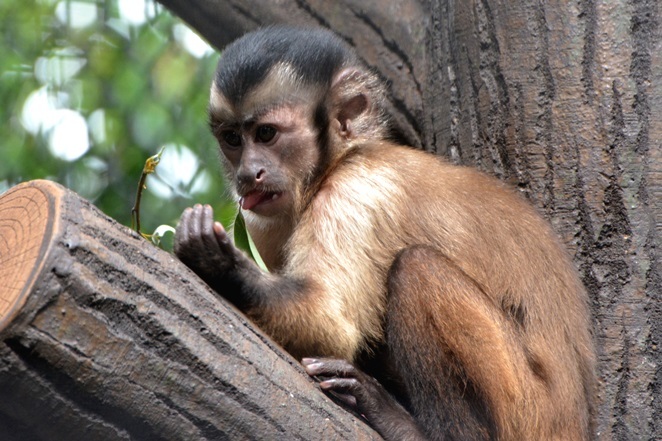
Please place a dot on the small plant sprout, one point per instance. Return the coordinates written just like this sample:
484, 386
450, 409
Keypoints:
148, 169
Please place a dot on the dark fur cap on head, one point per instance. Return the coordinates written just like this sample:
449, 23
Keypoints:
314, 54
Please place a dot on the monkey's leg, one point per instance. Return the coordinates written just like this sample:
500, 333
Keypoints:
462, 362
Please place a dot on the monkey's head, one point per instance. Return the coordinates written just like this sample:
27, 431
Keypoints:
285, 103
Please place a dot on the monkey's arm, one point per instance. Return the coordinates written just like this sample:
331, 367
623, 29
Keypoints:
297, 308
205, 247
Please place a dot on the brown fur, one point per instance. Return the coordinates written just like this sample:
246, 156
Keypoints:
535, 371
484, 320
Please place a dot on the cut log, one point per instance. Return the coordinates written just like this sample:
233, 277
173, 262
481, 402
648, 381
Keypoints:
103, 336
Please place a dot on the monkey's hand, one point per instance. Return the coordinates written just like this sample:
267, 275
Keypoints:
205, 247
363, 393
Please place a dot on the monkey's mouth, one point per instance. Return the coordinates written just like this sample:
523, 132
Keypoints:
255, 198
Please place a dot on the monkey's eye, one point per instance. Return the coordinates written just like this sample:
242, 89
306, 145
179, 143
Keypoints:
265, 133
231, 138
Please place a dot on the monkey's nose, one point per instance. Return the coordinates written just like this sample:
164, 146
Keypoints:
251, 177
260, 175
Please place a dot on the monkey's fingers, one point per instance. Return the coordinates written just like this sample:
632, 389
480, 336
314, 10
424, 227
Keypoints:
345, 386
330, 367
198, 239
343, 390
220, 233
181, 231
338, 387
195, 224
204, 215
370, 398
206, 221
186, 233
363, 395
195, 240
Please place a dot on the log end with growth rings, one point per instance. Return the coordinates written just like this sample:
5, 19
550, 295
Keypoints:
27, 223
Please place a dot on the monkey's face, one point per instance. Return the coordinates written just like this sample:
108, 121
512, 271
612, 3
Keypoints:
269, 149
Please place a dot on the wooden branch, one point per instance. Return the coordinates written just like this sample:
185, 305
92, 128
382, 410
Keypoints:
104, 336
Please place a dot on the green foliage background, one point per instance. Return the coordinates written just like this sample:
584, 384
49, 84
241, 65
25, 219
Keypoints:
150, 91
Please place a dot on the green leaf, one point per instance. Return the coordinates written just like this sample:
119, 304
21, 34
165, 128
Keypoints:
243, 241
161, 231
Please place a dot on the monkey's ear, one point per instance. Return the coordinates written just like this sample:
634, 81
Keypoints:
350, 101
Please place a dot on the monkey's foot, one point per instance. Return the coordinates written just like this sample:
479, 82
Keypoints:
366, 395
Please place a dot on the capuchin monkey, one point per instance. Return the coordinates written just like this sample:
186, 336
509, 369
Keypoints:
429, 297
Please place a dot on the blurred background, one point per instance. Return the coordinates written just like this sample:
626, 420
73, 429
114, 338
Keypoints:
89, 89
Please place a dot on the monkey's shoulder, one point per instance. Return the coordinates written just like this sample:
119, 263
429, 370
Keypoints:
417, 188
386, 165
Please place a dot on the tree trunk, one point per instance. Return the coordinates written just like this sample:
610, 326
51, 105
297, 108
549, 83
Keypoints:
561, 99
104, 336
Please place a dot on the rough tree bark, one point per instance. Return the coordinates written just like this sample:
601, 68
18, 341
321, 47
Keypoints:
560, 98
105, 337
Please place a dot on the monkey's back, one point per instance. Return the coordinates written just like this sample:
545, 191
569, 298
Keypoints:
383, 198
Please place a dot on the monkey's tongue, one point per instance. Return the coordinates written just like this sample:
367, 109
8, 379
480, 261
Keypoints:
255, 198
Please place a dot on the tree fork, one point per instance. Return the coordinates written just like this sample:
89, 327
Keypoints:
104, 336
